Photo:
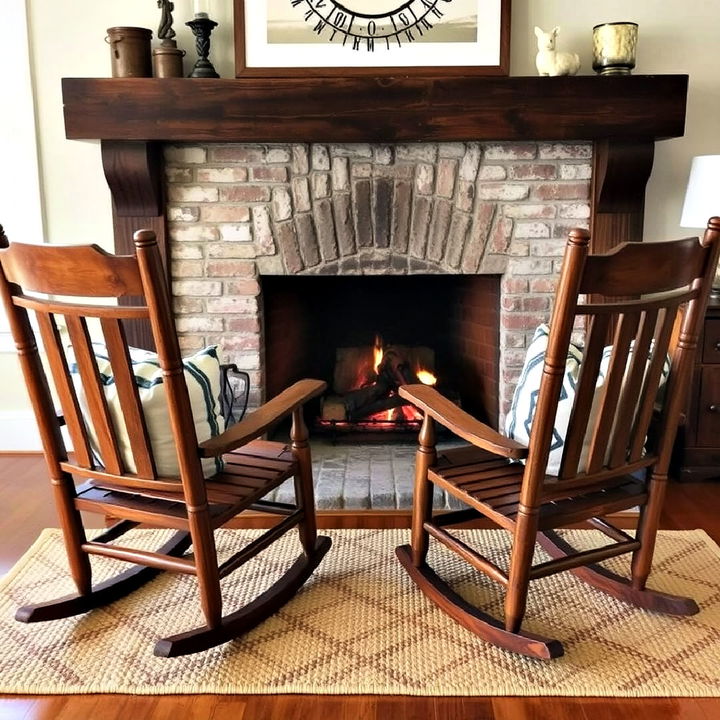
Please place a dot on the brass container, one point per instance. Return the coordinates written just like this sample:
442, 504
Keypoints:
130, 51
614, 46
167, 60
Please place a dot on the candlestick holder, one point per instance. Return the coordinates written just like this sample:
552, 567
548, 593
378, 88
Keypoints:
201, 28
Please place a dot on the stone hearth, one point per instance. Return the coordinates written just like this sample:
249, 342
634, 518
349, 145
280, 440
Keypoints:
239, 211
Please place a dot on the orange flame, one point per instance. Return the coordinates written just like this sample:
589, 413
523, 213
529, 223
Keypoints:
426, 377
377, 353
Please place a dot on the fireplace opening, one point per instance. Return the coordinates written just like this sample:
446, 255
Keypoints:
367, 335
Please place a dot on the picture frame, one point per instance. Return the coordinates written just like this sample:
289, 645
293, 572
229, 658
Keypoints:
341, 38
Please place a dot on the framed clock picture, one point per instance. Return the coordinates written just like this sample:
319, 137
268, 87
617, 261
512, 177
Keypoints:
286, 38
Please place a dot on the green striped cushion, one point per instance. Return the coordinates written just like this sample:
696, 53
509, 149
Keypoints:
202, 375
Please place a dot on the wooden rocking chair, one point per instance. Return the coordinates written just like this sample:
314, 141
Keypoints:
188, 503
672, 280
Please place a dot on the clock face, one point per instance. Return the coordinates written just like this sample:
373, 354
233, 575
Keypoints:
372, 24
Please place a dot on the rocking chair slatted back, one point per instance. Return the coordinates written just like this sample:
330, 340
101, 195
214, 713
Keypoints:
43, 269
609, 426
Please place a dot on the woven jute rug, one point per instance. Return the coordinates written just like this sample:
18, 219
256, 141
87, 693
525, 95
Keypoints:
361, 626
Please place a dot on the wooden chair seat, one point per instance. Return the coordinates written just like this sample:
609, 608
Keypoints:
250, 473
492, 485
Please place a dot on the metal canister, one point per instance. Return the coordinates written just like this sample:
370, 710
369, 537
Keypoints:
167, 60
130, 51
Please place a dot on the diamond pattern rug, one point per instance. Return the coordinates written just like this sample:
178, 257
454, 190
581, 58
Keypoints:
361, 626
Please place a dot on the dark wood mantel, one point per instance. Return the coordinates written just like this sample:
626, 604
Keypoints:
622, 116
376, 109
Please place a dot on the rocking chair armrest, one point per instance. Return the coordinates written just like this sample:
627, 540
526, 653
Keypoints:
448, 414
257, 423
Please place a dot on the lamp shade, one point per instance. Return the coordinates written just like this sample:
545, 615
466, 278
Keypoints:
702, 198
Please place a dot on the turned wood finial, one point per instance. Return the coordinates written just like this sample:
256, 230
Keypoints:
144, 238
712, 231
578, 236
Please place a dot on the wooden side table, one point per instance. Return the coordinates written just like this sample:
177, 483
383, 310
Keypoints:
699, 443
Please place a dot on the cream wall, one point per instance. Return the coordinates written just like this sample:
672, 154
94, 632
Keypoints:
67, 40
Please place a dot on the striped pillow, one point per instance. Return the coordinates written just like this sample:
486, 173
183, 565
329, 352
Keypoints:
518, 422
202, 376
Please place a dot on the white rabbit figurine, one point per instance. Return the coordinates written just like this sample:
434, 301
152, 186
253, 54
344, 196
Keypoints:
551, 62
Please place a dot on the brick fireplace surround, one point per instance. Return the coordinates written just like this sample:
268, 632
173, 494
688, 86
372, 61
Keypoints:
461, 175
238, 211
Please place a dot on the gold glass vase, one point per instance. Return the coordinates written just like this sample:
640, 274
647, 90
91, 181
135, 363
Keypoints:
614, 46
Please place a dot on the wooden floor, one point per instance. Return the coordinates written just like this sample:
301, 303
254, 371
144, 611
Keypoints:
688, 506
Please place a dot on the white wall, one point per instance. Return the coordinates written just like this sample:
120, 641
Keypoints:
67, 40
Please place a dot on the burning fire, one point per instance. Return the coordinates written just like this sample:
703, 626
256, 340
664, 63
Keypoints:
426, 377
378, 353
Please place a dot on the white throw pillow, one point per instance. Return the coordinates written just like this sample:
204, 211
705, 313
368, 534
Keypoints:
202, 376
518, 422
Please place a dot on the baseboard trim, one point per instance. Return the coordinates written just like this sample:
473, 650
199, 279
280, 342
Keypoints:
19, 432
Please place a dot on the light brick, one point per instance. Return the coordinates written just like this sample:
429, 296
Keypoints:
451, 150
236, 154
188, 305
520, 210
532, 266
193, 233
244, 285
424, 179
470, 162
424, 152
232, 250
300, 160
503, 191
236, 233
262, 231
222, 175
445, 184
197, 288
277, 155
574, 210
383, 155
561, 191
199, 324
564, 151
361, 170
245, 193
510, 151
185, 252
183, 214
320, 183
192, 193
187, 268
186, 155
230, 268
240, 304
352, 150
225, 213
532, 230
301, 194
320, 157
492, 172
576, 172
532, 171
281, 204
340, 176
